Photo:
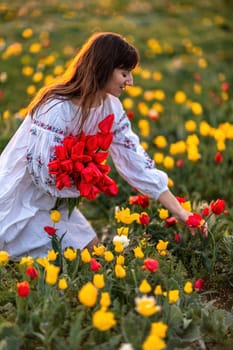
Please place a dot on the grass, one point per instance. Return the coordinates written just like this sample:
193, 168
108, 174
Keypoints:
196, 41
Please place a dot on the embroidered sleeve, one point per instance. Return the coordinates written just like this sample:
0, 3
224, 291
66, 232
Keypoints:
133, 163
44, 136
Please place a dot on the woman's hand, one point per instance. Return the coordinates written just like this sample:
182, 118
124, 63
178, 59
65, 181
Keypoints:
169, 201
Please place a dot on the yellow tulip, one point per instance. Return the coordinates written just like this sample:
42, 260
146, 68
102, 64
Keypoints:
186, 205
163, 214
143, 108
159, 95
52, 272
173, 295
98, 281
204, 128
52, 255
144, 287
138, 253
169, 162
87, 295
134, 91
108, 256
28, 260
70, 254
55, 215
128, 103
43, 261
153, 342
146, 306
188, 287
31, 89
105, 299
159, 329
196, 108
118, 247
58, 70
103, 320
158, 290
120, 271
27, 33
161, 247
190, 125
37, 77
178, 147
99, 250
120, 260
4, 257
85, 256
35, 48
158, 157
160, 141
180, 97
62, 284
27, 71
170, 182
123, 231
157, 76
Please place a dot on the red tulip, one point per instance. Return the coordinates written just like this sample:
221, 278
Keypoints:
63, 180
67, 166
92, 143
54, 167
144, 219
153, 114
77, 150
104, 140
218, 206
180, 163
194, 221
32, 272
206, 211
181, 199
91, 174
141, 200
60, 152
100, 157
68, 143
225, 86
177, 237
151, 265
106, 124
50, 230
218, 158
23, 289
170, 221
95, 265
198, 284
130, 114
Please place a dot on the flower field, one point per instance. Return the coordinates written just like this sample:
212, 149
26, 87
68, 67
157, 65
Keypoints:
151, 284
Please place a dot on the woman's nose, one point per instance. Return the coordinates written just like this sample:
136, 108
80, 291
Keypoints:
129, 80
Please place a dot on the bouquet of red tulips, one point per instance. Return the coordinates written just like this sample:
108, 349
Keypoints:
80, 162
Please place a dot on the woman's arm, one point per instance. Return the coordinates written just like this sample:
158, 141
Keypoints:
169, 201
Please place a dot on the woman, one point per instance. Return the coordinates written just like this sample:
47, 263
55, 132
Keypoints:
87, 93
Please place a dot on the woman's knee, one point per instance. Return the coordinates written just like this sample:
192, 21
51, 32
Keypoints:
91, 244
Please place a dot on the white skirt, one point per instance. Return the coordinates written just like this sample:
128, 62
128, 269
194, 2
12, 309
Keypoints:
25, 210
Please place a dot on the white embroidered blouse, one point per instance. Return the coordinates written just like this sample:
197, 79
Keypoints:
28, 192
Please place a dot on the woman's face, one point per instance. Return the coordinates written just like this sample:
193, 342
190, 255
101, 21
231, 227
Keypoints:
118, 81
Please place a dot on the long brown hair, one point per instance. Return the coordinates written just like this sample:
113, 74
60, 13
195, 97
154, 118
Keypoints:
89, 71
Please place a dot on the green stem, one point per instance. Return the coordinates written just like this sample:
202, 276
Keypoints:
135, 280
21, 310
214, 247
